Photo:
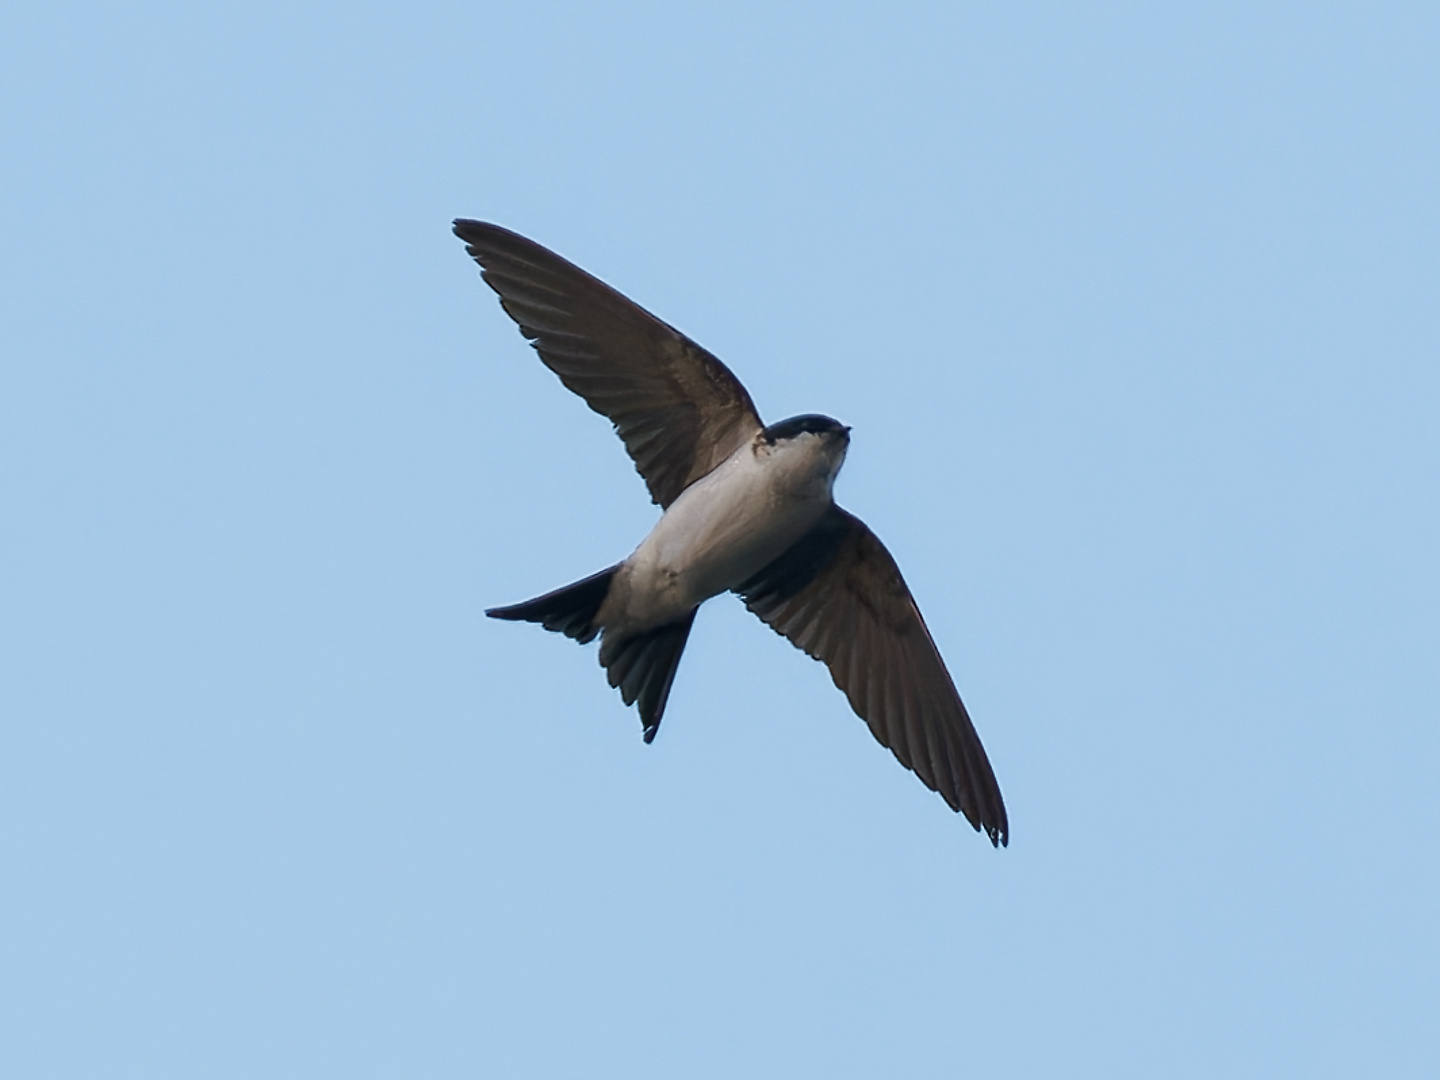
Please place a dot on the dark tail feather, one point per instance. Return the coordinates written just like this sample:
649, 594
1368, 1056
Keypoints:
642, 667
570, 611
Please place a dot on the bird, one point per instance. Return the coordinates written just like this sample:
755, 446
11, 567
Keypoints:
747, 508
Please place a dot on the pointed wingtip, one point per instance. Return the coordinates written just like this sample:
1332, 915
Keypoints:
997, 832
650, 731
470, 230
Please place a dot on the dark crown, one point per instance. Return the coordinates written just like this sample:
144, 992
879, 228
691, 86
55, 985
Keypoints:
814, 423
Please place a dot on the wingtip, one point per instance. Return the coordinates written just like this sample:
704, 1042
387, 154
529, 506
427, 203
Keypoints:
468, 229
997, 831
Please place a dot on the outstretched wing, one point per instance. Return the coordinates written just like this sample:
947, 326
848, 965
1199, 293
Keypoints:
679, 410
838, 595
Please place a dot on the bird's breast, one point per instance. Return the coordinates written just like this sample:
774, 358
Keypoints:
722, 530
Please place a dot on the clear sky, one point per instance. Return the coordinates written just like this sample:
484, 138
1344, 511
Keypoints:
1135, 312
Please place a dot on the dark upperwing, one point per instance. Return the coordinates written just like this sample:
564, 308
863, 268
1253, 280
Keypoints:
838, 595
678, 409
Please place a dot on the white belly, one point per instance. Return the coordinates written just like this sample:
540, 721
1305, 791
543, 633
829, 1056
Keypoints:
722, 529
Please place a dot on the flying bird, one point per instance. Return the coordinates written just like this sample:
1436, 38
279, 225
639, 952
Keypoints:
747, 508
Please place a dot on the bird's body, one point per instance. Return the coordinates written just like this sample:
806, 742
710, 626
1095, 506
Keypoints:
747, 509
725, 528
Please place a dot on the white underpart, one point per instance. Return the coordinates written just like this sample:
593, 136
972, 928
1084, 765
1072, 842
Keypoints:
724, 528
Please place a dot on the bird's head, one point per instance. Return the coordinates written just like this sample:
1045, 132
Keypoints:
809, 424
812, 443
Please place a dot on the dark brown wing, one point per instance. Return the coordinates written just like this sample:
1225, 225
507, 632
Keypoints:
838, 595
679, 410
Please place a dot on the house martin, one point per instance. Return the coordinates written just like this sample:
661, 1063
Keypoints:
747, 508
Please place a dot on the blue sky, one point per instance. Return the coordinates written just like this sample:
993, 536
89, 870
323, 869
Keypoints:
1133, 312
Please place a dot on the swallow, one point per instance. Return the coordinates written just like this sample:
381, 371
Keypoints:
747, 508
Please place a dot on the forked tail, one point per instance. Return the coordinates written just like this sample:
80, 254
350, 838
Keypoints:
641, 666
570, 610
